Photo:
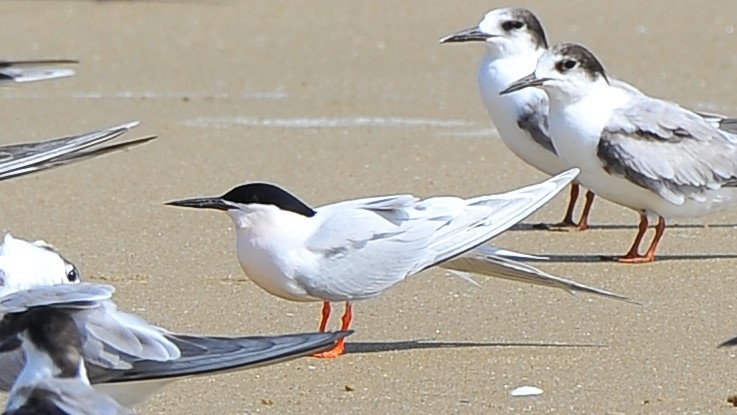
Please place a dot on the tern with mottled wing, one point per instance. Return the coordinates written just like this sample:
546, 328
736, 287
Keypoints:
41, 322
126, 357
514, 40
648, 154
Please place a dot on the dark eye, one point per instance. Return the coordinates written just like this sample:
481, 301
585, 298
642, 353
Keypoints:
73, 275
566, 65
512, 24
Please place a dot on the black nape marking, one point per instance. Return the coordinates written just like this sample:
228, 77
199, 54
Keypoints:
268, 194
585, 59
533, 25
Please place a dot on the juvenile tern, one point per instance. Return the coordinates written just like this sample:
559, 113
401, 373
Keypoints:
42, 323
644, 153
357, 249
514, 38
126, 357
23, 71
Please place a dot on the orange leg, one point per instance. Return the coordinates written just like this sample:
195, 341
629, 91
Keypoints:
583, 224
633, 255
325, 315
339, 348
659, 231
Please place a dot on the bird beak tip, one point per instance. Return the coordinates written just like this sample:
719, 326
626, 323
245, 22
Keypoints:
466, 35
526, 82
200, 203
728, 343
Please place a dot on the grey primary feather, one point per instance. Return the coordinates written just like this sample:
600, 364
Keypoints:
74, 297
211, 354
111, 338
20, 159
33, 70
508, 269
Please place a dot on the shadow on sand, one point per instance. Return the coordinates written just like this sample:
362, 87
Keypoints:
546, 227
378, 347
578, 258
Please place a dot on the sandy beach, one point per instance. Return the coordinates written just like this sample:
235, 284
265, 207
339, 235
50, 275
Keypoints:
336, 100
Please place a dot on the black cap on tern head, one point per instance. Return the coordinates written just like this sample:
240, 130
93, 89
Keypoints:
251, 193
577, 55
533, 25
268, 194
509, 20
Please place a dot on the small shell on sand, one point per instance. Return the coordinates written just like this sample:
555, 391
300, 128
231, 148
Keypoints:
526, 391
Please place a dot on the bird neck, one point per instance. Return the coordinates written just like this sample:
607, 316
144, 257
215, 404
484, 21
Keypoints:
513, 51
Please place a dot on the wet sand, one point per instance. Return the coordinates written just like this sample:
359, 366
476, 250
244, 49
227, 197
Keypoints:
335, 100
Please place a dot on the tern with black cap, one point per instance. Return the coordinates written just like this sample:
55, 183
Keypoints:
357, 249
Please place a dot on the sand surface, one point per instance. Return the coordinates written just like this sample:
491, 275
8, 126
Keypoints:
341, 99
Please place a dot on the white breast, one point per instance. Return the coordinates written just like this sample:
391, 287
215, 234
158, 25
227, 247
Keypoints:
493, 77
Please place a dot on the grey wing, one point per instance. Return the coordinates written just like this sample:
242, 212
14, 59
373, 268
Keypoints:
362, 253
21, 159
34, 70
504, 211
533, 119
94, 152
202, 355
77, 297
671, 151
728, 124
720, 121
114, 339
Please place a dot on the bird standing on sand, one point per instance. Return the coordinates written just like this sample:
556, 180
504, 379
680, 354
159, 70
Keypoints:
648, 154
357, 249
